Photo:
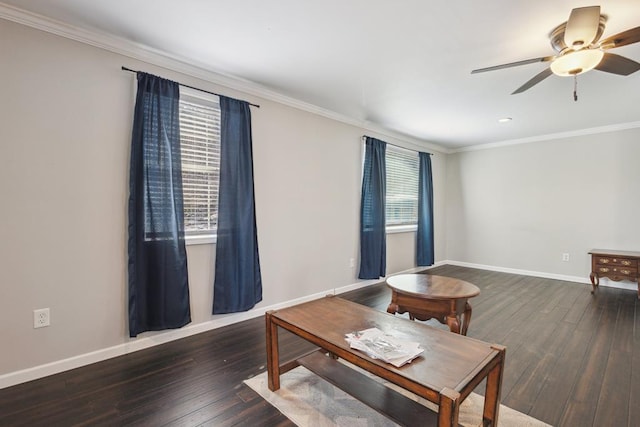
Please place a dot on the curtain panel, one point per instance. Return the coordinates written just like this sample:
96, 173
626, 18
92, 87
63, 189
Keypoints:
157, 267
238, 282
424, 236
373, 255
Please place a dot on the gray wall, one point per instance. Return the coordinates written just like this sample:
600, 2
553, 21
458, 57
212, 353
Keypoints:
64, 150
522, 206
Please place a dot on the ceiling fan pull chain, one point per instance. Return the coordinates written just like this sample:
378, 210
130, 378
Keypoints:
575, 87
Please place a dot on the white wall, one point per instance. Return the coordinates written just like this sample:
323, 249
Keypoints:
64, 155
522, 206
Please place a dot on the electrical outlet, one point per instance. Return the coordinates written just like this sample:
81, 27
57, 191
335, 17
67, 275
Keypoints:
41, 318
352, 262
565, 257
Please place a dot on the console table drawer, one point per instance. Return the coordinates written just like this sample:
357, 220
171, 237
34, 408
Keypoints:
627, 262
611, 269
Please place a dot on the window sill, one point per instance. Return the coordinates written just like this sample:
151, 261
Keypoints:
392, 229
205, 239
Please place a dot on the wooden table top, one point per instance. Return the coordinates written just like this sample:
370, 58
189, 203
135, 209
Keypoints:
449, 360
428, 286
609, 252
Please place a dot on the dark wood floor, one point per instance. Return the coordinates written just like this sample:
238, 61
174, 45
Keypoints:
572, 360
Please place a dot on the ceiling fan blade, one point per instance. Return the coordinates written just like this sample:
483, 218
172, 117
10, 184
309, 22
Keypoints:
621, 39
582, 27
513, 64
616, 64
534, 81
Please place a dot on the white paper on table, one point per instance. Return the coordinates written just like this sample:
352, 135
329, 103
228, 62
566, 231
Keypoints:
378, 345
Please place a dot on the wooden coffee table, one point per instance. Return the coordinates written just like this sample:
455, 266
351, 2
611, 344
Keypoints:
448, 370
426, 297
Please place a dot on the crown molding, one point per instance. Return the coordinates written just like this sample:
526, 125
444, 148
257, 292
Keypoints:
190, 68
548, 137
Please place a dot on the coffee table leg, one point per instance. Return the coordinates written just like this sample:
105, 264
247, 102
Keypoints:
393, 305
466, 319
273, 358
452, 318
494, 388
449, 408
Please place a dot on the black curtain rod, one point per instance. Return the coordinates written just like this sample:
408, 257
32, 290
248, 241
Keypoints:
190, 87
399, 146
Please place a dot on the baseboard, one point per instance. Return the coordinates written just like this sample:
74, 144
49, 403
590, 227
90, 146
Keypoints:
632, 286
158, 338
358, 285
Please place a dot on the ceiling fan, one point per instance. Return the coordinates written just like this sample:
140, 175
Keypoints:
578, 49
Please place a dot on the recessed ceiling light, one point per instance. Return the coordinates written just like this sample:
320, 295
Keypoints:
504, 120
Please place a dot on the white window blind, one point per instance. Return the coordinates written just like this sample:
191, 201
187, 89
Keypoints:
402, 186
200, 150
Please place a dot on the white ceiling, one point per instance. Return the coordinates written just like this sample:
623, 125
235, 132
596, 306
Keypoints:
401, 65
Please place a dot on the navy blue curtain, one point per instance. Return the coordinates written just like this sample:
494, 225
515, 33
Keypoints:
238, 283
424, 237
158, 283
373, 252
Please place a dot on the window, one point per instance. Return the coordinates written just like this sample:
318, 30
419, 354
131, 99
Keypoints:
200, 151
402, 187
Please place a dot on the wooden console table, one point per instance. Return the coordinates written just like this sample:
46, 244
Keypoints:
615, 265
450, 367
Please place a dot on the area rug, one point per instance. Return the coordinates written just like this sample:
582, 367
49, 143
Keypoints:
308, 400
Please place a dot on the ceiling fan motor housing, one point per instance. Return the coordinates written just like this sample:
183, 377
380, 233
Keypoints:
556, 36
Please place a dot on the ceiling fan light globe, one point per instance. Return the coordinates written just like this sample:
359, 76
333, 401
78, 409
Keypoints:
577, 62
